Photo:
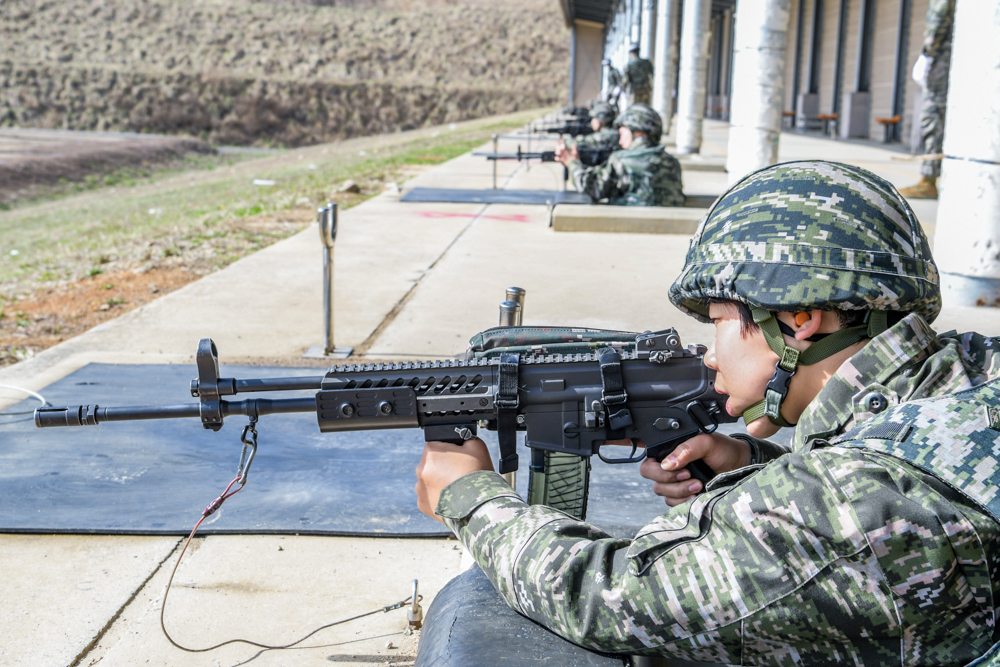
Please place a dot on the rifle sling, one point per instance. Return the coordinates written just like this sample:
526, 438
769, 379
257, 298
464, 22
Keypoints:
613, 393
507, 403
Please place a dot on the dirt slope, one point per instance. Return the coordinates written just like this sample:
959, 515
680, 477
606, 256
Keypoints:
291, 73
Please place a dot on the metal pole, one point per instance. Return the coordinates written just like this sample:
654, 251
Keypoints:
327, 219
328, 234
695, 42
494, 161
969, 205
761, 46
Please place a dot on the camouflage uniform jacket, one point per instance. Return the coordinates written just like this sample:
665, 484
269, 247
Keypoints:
606, 137
638, 79
640, 175
827, 555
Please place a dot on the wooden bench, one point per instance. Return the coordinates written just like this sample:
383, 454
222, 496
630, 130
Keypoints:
829, 121
887, 124
788, 119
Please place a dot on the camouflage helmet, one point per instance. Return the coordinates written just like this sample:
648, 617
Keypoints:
603, 112
809, 235
633, 47
642, 118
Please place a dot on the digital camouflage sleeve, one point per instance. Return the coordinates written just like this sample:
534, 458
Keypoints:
826, 555
640, 175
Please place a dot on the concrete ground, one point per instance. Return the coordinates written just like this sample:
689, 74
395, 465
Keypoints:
412, 280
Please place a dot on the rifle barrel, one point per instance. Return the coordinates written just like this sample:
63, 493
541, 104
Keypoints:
90, 415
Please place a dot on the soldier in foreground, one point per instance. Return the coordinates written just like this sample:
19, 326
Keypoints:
638, 78
641, 174
936, 56
874, 541
602, 118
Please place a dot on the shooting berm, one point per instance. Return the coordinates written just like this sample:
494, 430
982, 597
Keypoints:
253, 255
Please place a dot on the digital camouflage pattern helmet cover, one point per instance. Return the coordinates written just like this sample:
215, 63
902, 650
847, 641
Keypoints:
603, 112
642, 118
810, 235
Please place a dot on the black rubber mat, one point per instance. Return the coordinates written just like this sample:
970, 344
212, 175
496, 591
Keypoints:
460, 196
155, 477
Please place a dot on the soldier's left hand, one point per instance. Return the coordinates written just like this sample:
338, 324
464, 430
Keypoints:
444, 463
567, 154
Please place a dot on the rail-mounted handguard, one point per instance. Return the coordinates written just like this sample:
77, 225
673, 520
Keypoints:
661, 394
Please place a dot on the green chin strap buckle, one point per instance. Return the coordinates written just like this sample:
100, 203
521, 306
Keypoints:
790, 359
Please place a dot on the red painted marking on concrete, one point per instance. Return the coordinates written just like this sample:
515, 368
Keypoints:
513, 217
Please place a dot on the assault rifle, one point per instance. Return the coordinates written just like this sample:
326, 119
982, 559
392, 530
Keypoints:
659, 392
588, 156
574, 128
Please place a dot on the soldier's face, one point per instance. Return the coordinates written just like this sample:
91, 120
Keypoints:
743, 363
595, 124
624, 137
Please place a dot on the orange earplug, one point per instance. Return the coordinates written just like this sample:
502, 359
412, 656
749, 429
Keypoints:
802, 318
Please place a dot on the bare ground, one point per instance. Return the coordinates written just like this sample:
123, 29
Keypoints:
55, 313
33, 161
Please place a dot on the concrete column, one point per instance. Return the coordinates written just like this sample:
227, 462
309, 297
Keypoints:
695, 43
666, 56
760, 49
967, 241
647, 41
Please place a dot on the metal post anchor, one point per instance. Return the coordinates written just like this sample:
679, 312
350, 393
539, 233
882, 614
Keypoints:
327, 218
414, 613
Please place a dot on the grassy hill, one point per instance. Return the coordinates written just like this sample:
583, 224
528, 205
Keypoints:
275, 73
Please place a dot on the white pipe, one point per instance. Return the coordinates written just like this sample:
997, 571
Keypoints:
967, 245
666, 56
760, 49
695, 42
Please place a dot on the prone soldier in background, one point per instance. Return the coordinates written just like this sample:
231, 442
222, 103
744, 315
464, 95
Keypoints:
934, 64
874, 541
641, 174
605, 137
638, 78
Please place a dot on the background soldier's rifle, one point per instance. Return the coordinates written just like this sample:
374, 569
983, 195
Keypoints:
575, 128
588, 156
654, 390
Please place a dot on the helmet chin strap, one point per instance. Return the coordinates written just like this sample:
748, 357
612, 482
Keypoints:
789, 359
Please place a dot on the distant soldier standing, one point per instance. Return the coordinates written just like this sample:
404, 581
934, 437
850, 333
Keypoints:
936, 53
614, 87
638, 79
641, 174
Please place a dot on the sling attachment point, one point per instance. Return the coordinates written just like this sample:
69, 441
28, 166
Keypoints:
613, 394
507, 403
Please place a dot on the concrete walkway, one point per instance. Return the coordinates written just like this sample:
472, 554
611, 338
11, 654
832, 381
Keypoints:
412, 280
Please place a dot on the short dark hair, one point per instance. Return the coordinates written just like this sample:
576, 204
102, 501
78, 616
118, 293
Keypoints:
847, 318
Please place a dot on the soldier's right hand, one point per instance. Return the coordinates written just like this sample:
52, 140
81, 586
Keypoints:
673, 482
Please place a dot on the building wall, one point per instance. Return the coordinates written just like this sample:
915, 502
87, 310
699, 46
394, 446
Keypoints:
828, 51
587, 64
789, 104
883, 57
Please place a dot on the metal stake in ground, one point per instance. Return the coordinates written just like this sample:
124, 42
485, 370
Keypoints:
327, 219
495, 161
